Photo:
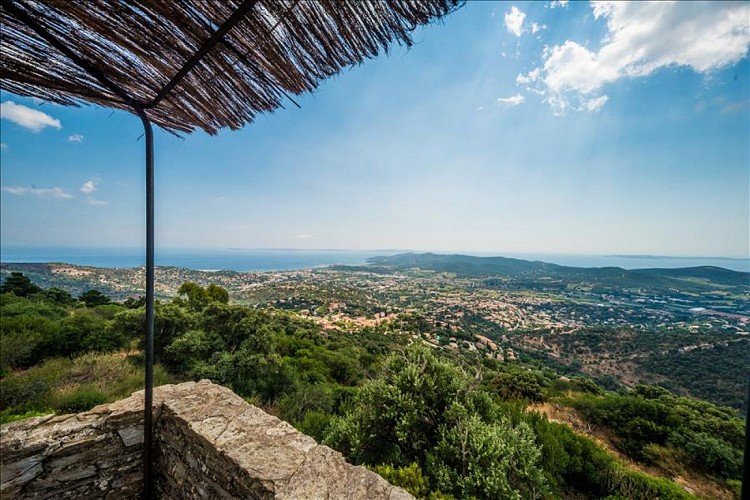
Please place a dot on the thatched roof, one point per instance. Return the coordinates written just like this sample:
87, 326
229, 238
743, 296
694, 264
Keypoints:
200, 63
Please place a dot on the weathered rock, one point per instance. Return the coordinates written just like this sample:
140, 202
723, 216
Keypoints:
209, 443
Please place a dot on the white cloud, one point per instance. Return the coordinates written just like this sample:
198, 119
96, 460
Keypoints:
532, 76
642, 38
558, 3
514, 21
75, 138
513, 100
3, 146
28, 118
88, 187
52, 193
596, 103
302, 237
536, 27
96, 202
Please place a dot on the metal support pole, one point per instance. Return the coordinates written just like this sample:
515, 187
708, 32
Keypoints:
148, 424
746, 461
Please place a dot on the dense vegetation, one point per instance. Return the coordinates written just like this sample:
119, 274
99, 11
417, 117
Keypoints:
713, 365
440, 425
718, 375
652, 424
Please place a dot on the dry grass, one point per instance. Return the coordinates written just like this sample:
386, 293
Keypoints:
77, 384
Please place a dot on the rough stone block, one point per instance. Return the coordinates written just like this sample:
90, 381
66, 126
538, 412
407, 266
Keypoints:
209, 443
131, 435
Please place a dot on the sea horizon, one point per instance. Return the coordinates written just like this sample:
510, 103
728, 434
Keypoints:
286, 259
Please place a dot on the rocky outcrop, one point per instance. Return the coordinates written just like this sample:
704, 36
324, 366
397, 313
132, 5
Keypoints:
209, 443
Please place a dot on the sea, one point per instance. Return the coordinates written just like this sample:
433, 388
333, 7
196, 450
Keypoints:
287, 259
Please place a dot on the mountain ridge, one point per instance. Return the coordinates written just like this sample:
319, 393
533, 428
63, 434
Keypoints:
472, 266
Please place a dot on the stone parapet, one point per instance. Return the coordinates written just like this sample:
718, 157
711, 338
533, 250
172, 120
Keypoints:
209, 443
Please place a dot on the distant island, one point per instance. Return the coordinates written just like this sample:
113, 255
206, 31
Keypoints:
673, 257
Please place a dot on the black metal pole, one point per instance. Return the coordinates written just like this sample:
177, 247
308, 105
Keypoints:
148, 424
746, 461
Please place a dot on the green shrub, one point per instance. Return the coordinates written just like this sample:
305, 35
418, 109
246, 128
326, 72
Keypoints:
409, 478
520, 384
7, 416
25, 393
639, 486
81, 399
315, 424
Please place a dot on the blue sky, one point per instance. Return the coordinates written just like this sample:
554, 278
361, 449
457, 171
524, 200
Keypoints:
509, 127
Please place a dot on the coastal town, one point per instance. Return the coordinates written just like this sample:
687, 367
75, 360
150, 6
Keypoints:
498, 318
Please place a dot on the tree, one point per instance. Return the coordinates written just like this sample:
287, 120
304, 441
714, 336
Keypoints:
59, 296
520, 384
192, 347
216, 293
427, 411
83, 331
486, 460
395, 419
93, 298
170, 321
19, 284
193, 295
133, 303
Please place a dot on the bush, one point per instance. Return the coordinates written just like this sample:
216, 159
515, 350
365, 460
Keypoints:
7, 416
315, 424
639, 486
477, 459
409, 478
25, 393
426, 410
520, 384
81, 399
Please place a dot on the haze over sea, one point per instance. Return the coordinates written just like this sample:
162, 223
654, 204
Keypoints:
287, 259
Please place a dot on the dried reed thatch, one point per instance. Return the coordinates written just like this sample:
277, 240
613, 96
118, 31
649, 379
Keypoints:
195, 63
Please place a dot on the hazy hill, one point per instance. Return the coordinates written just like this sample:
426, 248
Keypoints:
469, 266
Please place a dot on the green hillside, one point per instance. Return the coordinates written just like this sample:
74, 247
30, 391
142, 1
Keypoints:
448, 424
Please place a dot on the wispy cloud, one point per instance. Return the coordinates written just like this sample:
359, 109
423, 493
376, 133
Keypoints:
302, 237
75, 138
596, 103
558, 3
513, 100
31, 119
514, 21
736, 106
3, 146
641, 38
50, 193
532, 76
88, 187
96, 202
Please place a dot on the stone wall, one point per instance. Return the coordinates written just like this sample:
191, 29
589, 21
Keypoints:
209, 444
93, 454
